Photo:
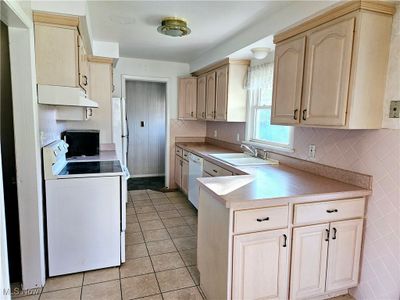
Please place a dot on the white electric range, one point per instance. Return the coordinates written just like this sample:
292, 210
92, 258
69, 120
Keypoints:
85, 212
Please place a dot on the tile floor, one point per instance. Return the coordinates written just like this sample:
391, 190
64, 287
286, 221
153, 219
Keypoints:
160, 256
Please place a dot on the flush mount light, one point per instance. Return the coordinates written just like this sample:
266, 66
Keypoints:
173, 26
260, 53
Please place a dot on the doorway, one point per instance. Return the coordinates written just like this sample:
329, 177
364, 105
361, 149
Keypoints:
8, 161
146, 123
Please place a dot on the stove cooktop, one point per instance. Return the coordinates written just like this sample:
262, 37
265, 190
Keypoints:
91, 167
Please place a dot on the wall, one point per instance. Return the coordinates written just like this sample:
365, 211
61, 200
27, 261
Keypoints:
49, 129
226, 132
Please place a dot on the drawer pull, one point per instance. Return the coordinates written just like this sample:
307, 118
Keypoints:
334, 233
327, 235
262, 219
284, 240
215, 171
329, 211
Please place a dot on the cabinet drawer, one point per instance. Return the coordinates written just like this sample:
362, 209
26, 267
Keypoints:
178, 151
261, 219
185, 155
310, 213
215, 170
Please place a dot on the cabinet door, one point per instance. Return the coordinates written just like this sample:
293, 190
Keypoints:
83, 66
178, 170
201, 97
210, 96
221, 93
344, 254
185, 176
260, 265
288, 81
187, 98
327, 74
309, 257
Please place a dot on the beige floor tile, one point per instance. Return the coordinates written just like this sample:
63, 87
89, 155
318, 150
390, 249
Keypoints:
194, 229
131, 219
154, 297
134, 267
178, 200
343, 297
148, 216
191, 220
154, 192
136, 192
110, 290
174, 279
152, 225
173, 222
130, 211
139, 286
133, 238
169, 214
189, 257
63, 282
141, 203
187, 294
187, 212
136, 251
180, 231
161, 201
164, 207
182, 205
167, 261
24, 297
195, 274
185, 243
145, 209
157, 196
133, 227
17, 292
174, 194
156, 235
100, 275
68, 294
161, 247
140, 197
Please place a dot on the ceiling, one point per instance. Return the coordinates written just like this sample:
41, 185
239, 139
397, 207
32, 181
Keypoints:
246, 53
133, 24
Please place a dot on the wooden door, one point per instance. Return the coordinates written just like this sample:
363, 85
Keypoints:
309, 258
187, 98
201, 97
178, 170
210, 96
185, 176
221, 93
260, 264
344, 254
288, 81
327, 74
83, 66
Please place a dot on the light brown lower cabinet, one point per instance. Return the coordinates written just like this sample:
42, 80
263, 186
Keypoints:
178, 170
260, 264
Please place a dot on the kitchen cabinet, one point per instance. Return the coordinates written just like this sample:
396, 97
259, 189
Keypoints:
201, 97
260, 265
210, 96
187, 98
178, 170
343, 54
221, 93
83, 66
215, 170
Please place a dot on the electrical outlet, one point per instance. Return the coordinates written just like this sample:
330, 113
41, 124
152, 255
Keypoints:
394, 111
215, 133
311, 151
238, 137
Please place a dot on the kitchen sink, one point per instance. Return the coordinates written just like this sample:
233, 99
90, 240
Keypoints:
242, 159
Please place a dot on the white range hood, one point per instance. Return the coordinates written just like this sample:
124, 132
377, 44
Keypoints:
64, 96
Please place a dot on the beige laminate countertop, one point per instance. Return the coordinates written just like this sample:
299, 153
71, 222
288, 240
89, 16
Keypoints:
268, 185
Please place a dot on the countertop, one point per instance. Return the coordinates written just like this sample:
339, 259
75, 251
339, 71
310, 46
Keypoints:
268, 185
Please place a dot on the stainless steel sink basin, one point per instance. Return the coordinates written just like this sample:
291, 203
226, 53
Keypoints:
242, 159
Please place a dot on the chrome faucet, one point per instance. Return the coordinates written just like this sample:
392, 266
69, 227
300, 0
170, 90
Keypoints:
250, 149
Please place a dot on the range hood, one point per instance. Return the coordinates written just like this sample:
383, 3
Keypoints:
64, 96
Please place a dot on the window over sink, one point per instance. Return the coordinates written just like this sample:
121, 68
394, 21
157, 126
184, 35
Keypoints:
259, 130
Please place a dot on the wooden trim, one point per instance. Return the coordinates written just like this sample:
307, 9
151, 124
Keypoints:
334, 13
64, 20
220, 64
100, 59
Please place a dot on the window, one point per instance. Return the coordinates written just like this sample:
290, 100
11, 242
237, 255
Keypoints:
258, 126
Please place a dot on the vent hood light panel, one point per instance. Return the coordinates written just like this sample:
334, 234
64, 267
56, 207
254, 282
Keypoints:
64, 96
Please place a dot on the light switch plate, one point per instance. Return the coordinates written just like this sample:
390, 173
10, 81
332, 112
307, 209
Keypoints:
394, 109
311, 151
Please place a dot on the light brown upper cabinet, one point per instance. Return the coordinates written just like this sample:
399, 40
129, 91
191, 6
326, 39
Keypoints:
61, 58
330, 71
201, 97
187, 98
225, 94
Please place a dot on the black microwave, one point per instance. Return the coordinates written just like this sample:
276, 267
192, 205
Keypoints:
82, 142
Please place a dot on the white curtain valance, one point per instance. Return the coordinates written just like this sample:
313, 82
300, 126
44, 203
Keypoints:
260, 77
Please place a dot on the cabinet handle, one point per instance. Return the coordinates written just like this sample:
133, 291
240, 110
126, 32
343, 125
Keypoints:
191, 114
262, 219
85, 80
284, 240
304, 114
334, 233
327, 235
181, 163
295, 114
329, 211
203, 114
215, 171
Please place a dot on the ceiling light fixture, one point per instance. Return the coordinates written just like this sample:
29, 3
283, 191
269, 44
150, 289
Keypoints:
260, 53
173, 26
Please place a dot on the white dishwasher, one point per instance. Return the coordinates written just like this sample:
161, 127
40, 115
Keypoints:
195, 171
